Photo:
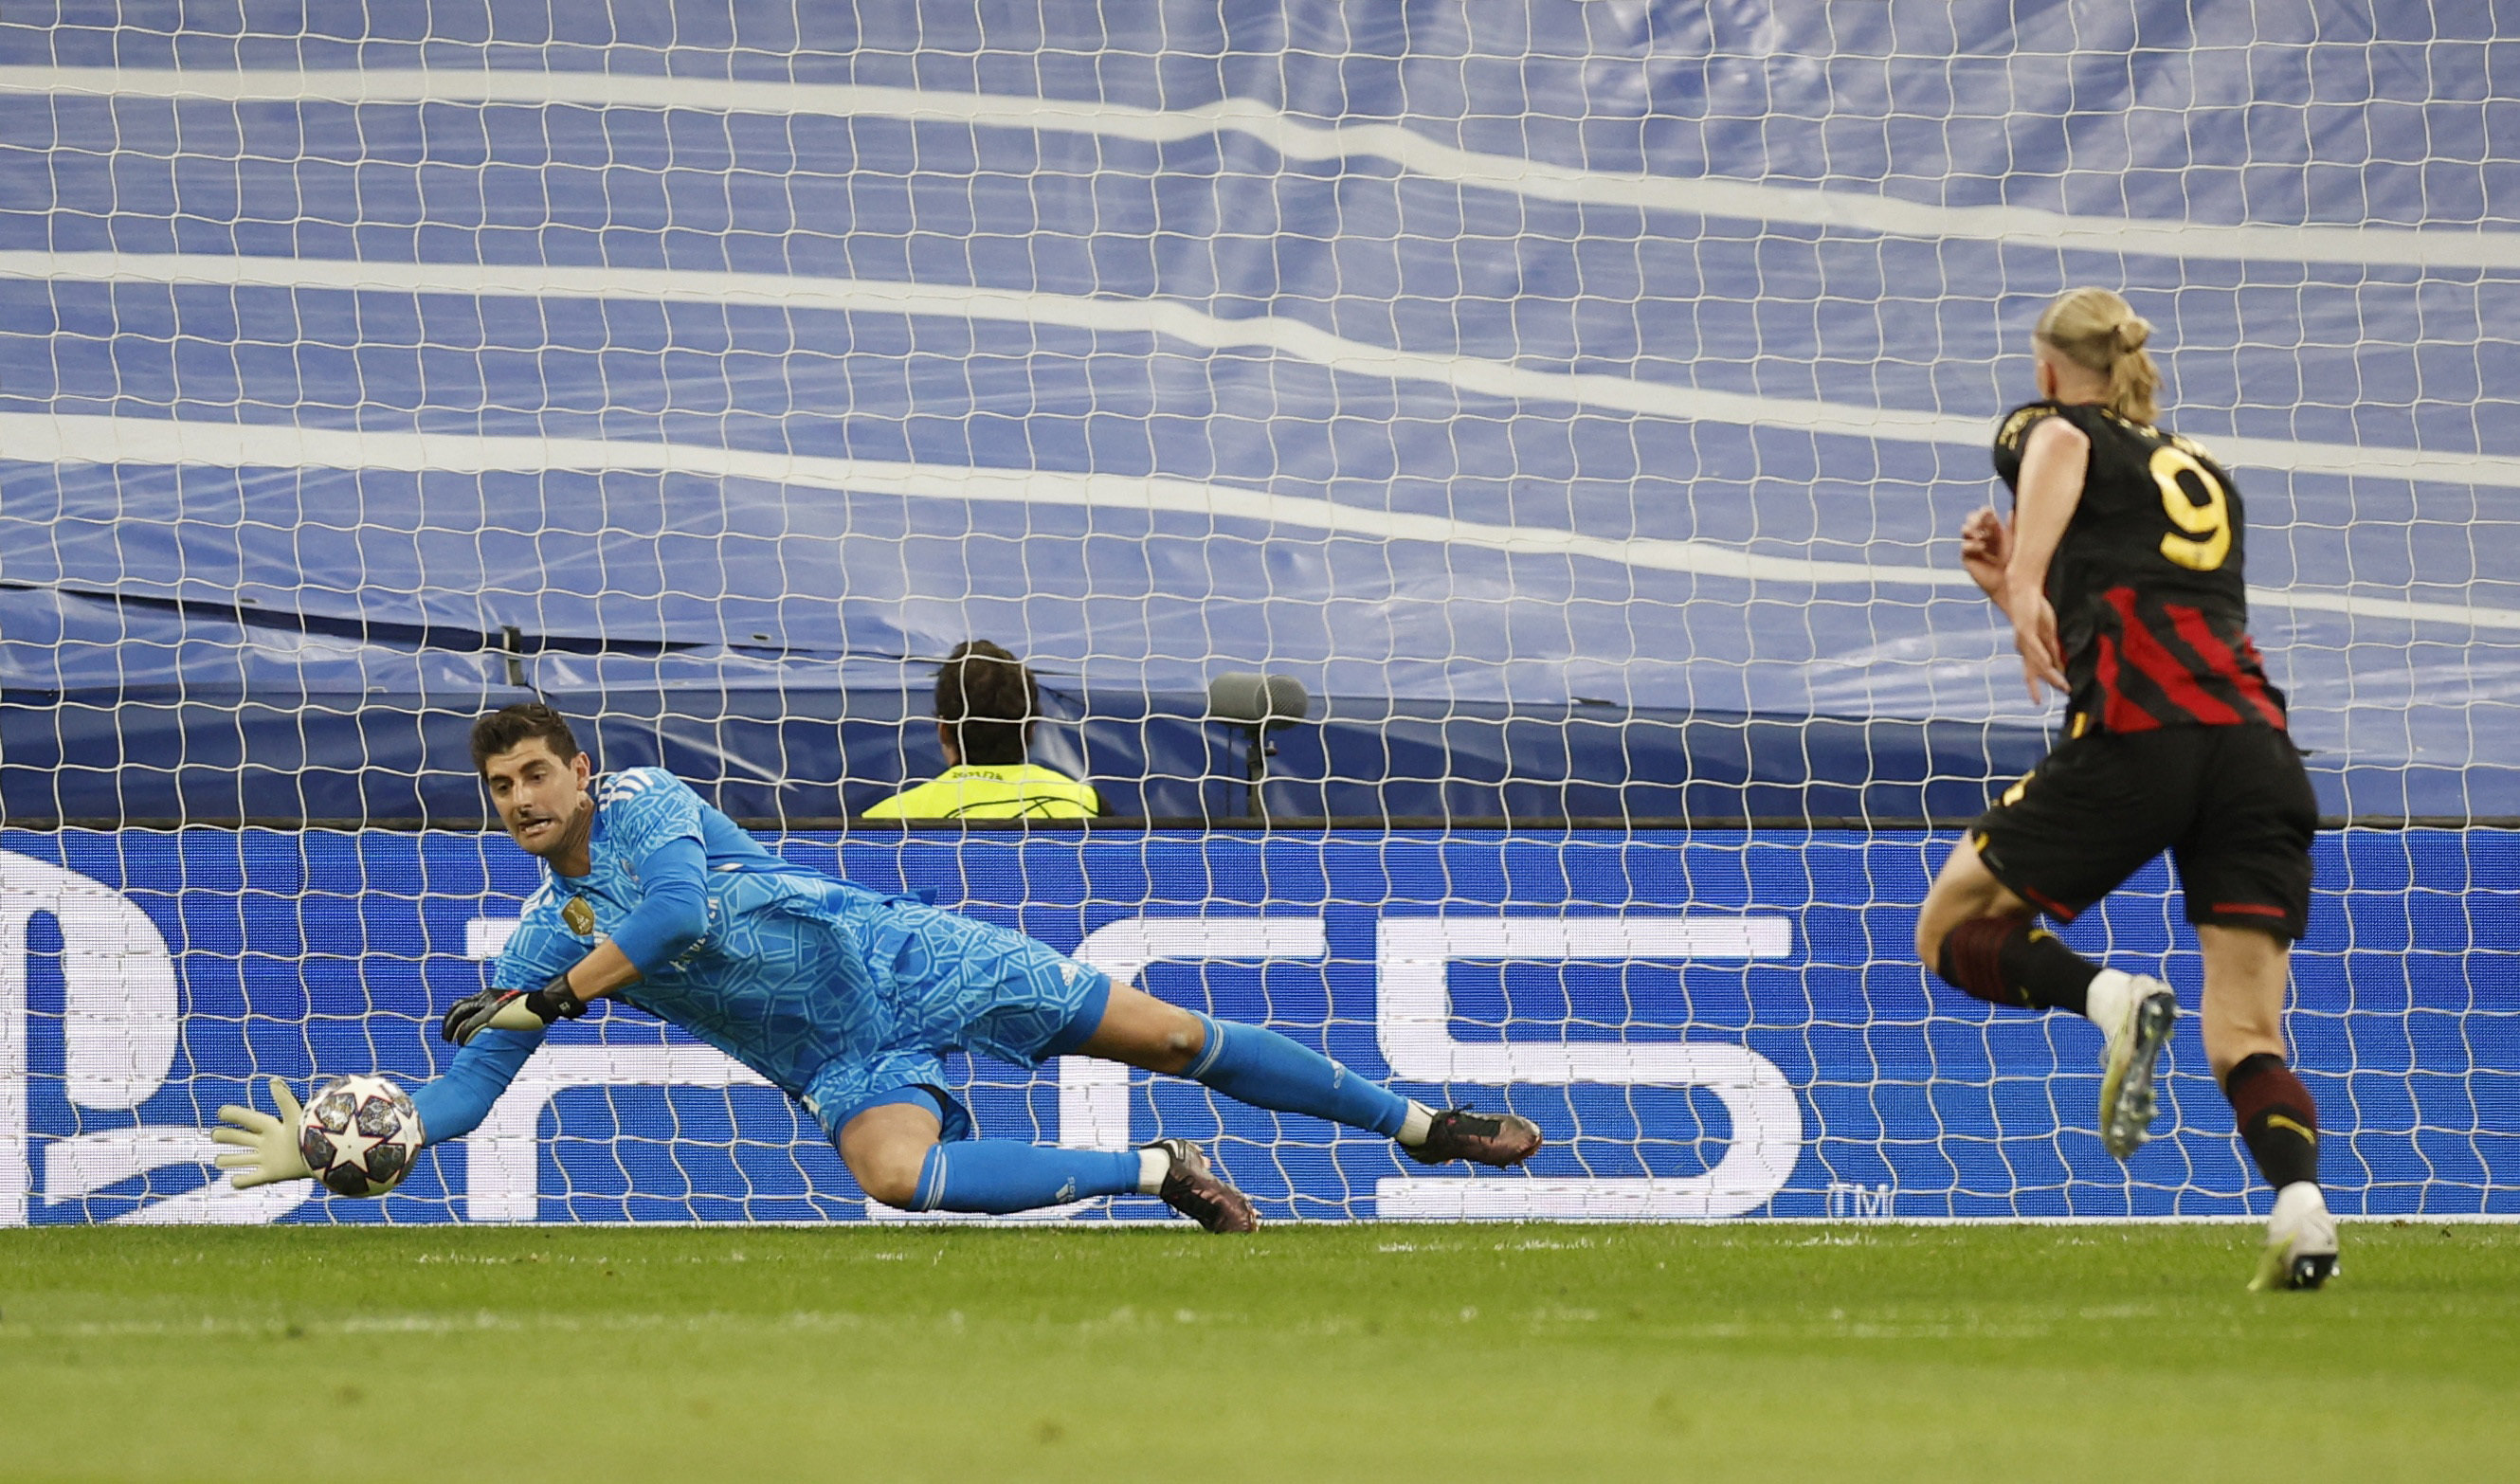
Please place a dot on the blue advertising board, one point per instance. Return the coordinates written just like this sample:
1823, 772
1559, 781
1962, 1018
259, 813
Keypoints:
1707, 1024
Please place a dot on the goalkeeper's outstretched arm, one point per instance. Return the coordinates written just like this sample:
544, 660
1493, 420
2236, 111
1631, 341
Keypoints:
498, 1028
671, 916
262, 1147
454, 1103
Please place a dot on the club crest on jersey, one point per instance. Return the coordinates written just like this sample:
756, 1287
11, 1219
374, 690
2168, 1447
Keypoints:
579, 915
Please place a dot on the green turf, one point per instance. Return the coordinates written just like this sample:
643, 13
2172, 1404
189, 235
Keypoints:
1374, 1354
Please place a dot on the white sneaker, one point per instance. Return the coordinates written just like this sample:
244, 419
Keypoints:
2136, 1013
2301, 1242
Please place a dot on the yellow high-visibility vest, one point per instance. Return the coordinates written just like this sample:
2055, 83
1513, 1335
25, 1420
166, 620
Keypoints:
1005, 792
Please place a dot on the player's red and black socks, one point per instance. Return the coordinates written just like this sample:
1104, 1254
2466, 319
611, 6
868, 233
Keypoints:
2007, 960
2277, 1119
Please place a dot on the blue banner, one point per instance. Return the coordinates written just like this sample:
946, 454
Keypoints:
1706, 1024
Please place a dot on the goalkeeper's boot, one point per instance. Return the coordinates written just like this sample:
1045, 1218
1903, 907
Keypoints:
1192, 1187
2301, 1242
2138, 1025
1501, 1140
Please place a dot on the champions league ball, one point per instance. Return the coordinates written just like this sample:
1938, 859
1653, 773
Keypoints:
359, 1134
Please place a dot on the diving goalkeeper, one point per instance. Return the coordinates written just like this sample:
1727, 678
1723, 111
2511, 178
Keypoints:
844, 998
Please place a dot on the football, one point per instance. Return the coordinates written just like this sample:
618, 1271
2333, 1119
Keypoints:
359, 1134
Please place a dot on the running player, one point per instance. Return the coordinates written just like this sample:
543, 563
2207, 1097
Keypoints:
2121, 571
845, 999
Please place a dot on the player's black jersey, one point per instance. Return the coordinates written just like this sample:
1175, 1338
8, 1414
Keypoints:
2150, 604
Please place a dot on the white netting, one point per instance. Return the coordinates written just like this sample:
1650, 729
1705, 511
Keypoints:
1580, 399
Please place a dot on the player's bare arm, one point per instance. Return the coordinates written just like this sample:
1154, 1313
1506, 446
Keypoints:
2052, 465
1986, 547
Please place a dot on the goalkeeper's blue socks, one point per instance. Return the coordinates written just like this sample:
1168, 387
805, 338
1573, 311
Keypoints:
1244, 1063
1265, 1069
997, 1176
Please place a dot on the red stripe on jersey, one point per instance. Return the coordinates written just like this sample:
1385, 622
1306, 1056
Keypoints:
2251, 909
2117, 713
2162, 668
2192, 627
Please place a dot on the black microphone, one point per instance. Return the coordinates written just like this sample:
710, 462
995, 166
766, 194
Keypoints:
1249, 700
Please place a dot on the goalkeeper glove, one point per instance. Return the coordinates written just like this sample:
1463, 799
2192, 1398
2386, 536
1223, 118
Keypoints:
510, 1009
266, 1147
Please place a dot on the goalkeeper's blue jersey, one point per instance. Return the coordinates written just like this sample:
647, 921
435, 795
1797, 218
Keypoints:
832, 992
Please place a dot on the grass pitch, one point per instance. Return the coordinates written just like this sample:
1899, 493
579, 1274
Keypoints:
1377, 1353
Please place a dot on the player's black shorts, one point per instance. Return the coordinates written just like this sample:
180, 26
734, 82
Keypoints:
2231, 804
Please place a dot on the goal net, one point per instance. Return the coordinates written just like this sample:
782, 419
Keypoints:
1580, 399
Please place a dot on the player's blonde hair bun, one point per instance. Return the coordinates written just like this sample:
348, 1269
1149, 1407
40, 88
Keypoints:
2098, 331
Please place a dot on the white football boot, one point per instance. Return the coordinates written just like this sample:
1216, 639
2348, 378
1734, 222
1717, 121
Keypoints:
2301, 1242
2136, 1013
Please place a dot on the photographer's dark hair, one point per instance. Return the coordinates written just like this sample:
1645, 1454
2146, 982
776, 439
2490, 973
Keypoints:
513, 725
988, 700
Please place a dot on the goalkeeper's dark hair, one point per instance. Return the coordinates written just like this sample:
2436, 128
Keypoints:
514, 725
987, 699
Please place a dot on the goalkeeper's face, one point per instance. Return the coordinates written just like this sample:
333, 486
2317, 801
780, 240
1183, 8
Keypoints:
541, 797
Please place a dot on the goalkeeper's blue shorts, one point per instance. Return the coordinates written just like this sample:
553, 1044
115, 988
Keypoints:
963, 985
